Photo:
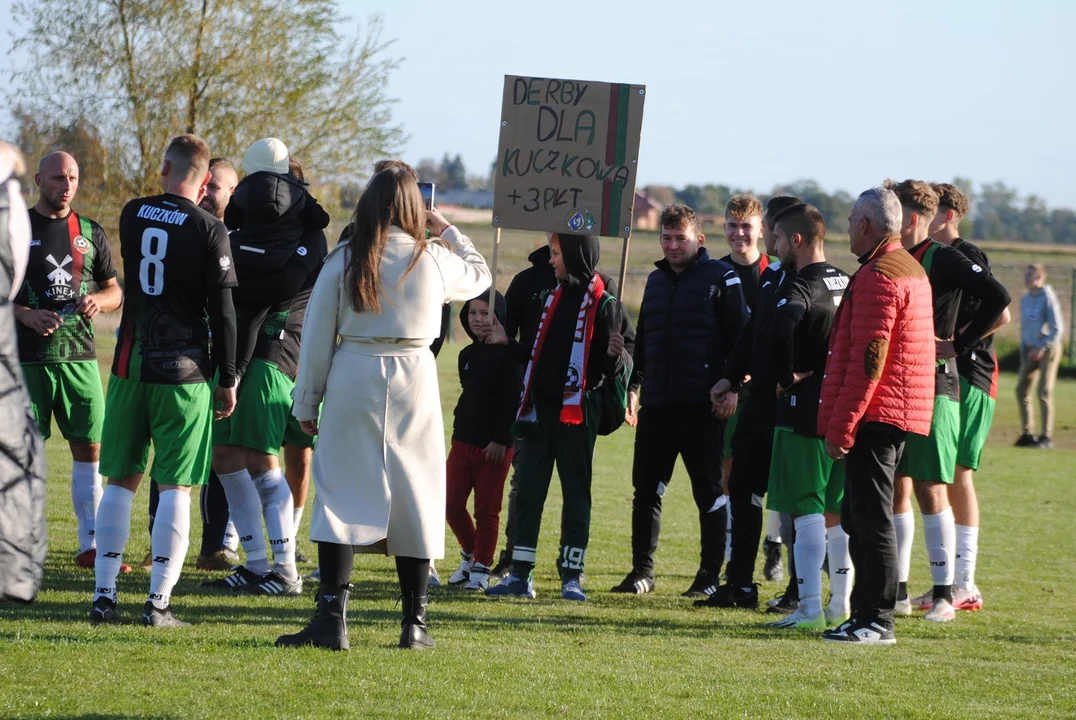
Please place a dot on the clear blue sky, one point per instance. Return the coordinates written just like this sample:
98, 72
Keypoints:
753, 94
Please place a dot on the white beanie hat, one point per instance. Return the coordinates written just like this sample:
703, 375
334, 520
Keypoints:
266, 155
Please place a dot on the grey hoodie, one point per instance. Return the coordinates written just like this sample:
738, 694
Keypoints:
1041, 322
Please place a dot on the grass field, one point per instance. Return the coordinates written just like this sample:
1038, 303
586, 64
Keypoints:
613, 656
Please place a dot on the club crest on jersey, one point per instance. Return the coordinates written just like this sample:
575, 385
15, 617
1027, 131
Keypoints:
82, 244
225, 263
60, 279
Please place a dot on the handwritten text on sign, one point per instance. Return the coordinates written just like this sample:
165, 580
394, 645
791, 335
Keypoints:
568, 155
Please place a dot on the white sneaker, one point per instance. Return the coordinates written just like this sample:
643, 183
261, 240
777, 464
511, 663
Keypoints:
836, 616
941, 611
924, 601
479, 578
435, 579
799, 620
463, 571
903, 608
969, 599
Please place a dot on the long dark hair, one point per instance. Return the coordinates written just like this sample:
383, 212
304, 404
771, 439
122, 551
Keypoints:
391, 198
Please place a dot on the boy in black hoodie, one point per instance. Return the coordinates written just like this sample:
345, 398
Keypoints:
577, 346
481, 442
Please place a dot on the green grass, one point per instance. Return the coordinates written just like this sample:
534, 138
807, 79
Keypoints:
614, 656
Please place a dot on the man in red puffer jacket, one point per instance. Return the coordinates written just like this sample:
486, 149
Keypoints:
879, 386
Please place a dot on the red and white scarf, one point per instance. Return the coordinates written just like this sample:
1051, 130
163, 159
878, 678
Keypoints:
571, 412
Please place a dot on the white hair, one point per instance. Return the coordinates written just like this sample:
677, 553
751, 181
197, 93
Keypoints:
882, 207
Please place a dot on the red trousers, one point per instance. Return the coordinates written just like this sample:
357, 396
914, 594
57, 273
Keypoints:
469, 470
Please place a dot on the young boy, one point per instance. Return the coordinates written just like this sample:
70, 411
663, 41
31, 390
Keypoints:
481, 443
577, 347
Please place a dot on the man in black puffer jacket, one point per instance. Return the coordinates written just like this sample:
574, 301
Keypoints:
22, 454
692, 312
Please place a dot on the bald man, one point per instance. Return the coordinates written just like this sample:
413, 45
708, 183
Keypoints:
220, 188
69, 257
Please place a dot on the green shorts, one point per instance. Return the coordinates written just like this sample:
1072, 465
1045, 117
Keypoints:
262, 419
804, 480
730, 430
72, 393
976, 416
176, 419
933, 457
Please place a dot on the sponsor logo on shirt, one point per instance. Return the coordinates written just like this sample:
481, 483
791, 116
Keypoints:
60, 279
301, 251
35, 243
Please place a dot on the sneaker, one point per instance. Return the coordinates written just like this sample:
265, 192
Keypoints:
635, 584
104, 611
704, 585
217, 561
435, 579
513, 586
479, 578
503, 567
570, 589
924, 601
799, 621
88, 559
732, 596
232, 556
854, 632
315, 575
147, 562
903, 608
463, 572
240, 578
1025, 440
783, 604
1044, 443
273, 583
152, 616
835, 616
969, 600
300, 558
773, 570
941, 611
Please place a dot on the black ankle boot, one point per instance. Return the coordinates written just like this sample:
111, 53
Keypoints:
328, 628
413, 635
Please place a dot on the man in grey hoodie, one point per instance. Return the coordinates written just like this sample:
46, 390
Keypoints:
1041, 330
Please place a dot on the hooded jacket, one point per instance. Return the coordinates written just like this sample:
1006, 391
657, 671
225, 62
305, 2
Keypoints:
491, 382
526, 296
268, 216
881, 350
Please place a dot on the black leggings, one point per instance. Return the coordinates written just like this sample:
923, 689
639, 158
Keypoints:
336, 562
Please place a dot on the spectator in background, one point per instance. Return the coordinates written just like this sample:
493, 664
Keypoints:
1041, 329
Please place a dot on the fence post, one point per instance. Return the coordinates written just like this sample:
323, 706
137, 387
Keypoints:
1072, 320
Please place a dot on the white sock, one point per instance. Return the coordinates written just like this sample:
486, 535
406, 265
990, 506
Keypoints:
841, 573
86, 491
939, 531
773, 527
728, 530
113, 523
231, 537
171, 537
277, 507
810, 552
245, 510
905, 526
967, 548
296, 518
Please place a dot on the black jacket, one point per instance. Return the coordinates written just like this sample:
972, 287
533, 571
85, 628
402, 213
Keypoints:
268, 215
491, 382
688, 324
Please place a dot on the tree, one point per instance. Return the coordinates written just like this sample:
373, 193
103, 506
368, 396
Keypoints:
232, 71
453, 174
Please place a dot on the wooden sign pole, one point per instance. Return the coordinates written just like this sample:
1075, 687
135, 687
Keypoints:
624, 269
493, 285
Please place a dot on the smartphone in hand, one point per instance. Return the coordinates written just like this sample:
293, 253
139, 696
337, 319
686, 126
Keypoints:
427, 190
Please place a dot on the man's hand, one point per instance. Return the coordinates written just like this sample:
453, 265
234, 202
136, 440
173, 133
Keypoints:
727, 407
616, 344
496, 334
796, 378
42, 322
495, 453
223, 402
632, 416
718, 392
944, 349
310, 427
837, 453
87, 305
1036, 354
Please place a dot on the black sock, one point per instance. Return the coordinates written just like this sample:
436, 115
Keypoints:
902, 591
214, 506
414, 574
154, 501
335, 562
943, 592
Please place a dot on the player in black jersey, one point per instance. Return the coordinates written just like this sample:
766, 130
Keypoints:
178, 269
978, 371
930, 461
69, 256
804, 481
751, 358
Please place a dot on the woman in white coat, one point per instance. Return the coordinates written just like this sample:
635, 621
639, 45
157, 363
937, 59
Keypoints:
365, 364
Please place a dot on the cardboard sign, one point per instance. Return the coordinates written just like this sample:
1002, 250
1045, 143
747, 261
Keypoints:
568, 156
